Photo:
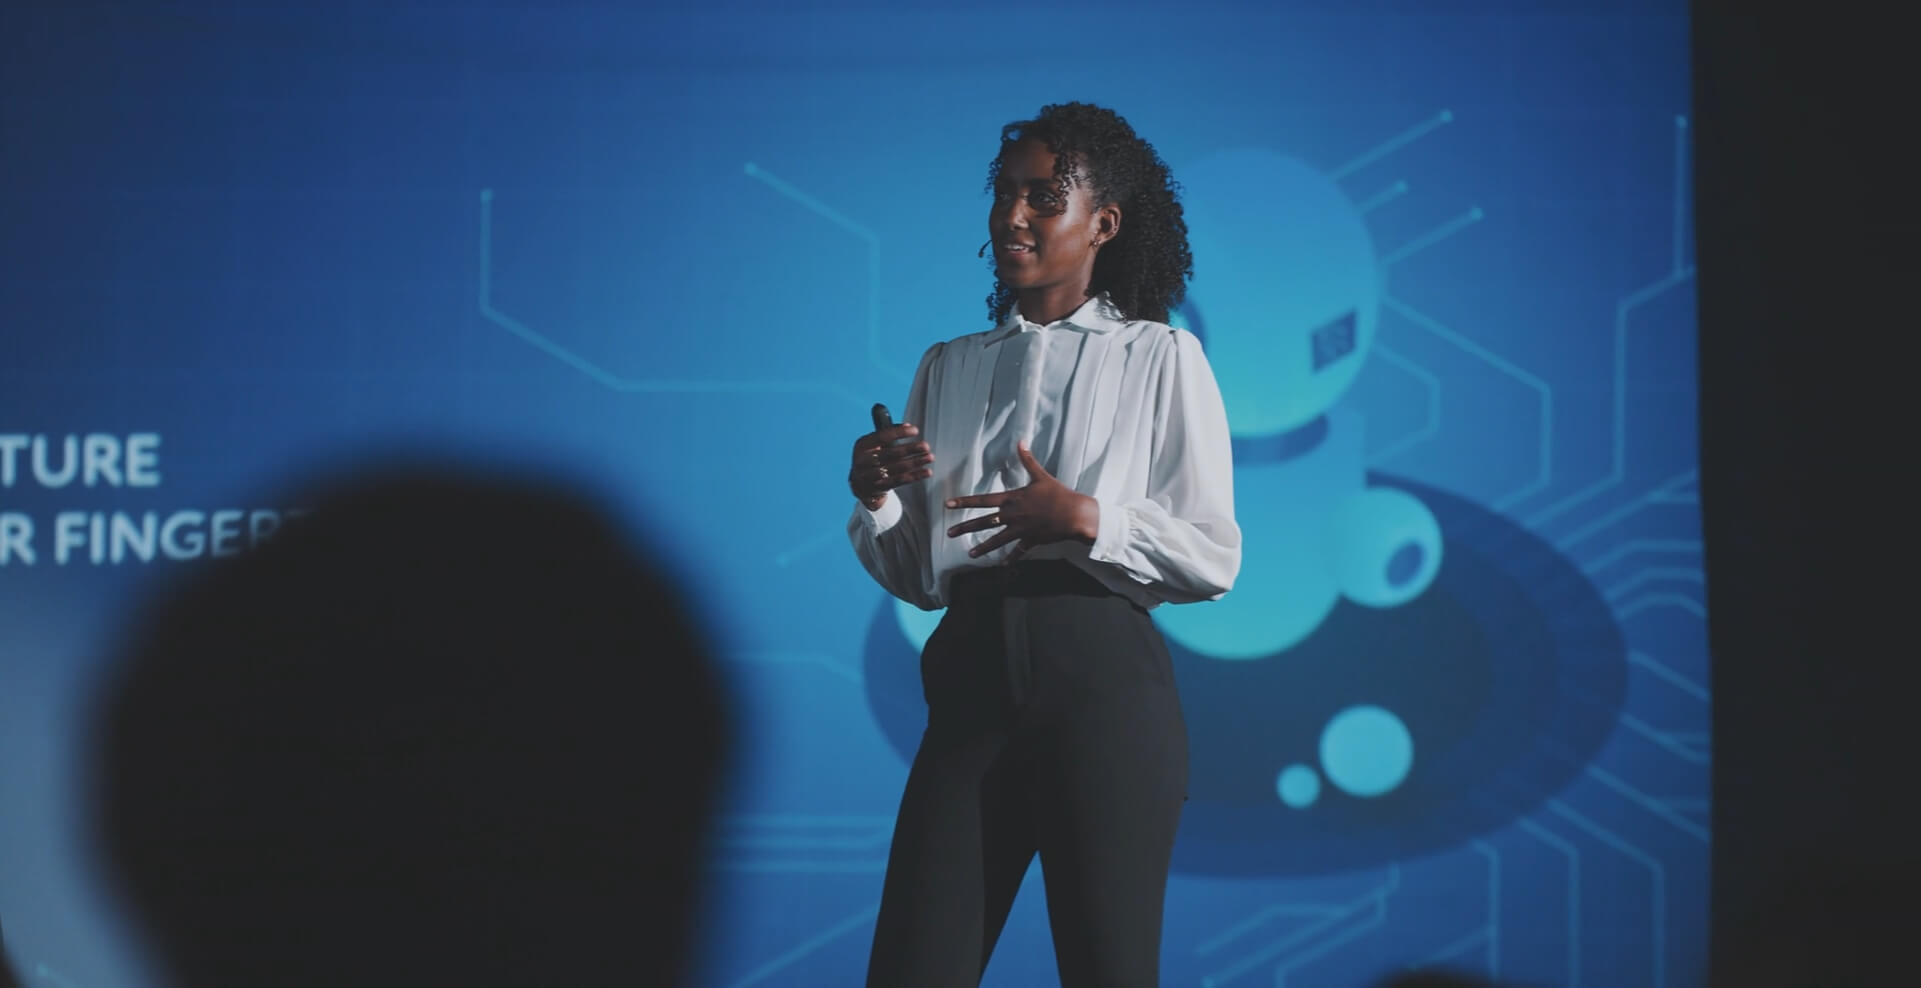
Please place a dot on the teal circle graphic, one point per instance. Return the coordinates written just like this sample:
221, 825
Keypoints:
916, 624
1384, 547
1366, 751
1298, 786
1291, 291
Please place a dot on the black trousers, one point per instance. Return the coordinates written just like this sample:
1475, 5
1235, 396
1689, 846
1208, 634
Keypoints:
1053, 727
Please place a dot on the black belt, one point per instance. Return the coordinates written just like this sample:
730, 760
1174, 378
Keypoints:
1029, 578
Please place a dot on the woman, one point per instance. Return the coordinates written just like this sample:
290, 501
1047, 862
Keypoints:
1055, 478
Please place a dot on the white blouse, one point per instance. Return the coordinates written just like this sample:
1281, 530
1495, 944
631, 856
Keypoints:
1126, 411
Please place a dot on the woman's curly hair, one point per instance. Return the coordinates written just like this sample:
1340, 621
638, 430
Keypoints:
1144, 269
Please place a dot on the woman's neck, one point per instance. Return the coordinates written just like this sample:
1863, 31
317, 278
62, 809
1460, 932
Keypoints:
1042, 306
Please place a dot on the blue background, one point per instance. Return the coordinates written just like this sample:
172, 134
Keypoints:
675, 255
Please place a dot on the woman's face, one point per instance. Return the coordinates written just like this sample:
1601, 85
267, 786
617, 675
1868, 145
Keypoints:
1044, 234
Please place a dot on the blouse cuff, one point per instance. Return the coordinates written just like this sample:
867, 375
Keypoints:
879, 519
1110, 545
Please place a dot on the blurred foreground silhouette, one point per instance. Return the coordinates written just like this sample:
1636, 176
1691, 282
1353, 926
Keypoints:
447, 729
7, 978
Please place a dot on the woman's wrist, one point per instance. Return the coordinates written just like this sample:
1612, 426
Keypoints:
1087, 519
871, 502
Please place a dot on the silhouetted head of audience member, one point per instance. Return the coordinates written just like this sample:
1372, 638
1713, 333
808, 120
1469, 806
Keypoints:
1434, 979
446, 729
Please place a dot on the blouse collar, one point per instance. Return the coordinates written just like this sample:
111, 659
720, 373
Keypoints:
1096, 315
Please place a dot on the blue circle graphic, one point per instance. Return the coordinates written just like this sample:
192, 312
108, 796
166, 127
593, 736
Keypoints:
1298, 786
1366, 751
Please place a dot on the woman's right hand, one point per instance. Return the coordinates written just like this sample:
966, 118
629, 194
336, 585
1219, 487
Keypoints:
880, 465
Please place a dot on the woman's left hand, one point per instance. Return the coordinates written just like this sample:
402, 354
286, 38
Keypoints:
1044, 511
